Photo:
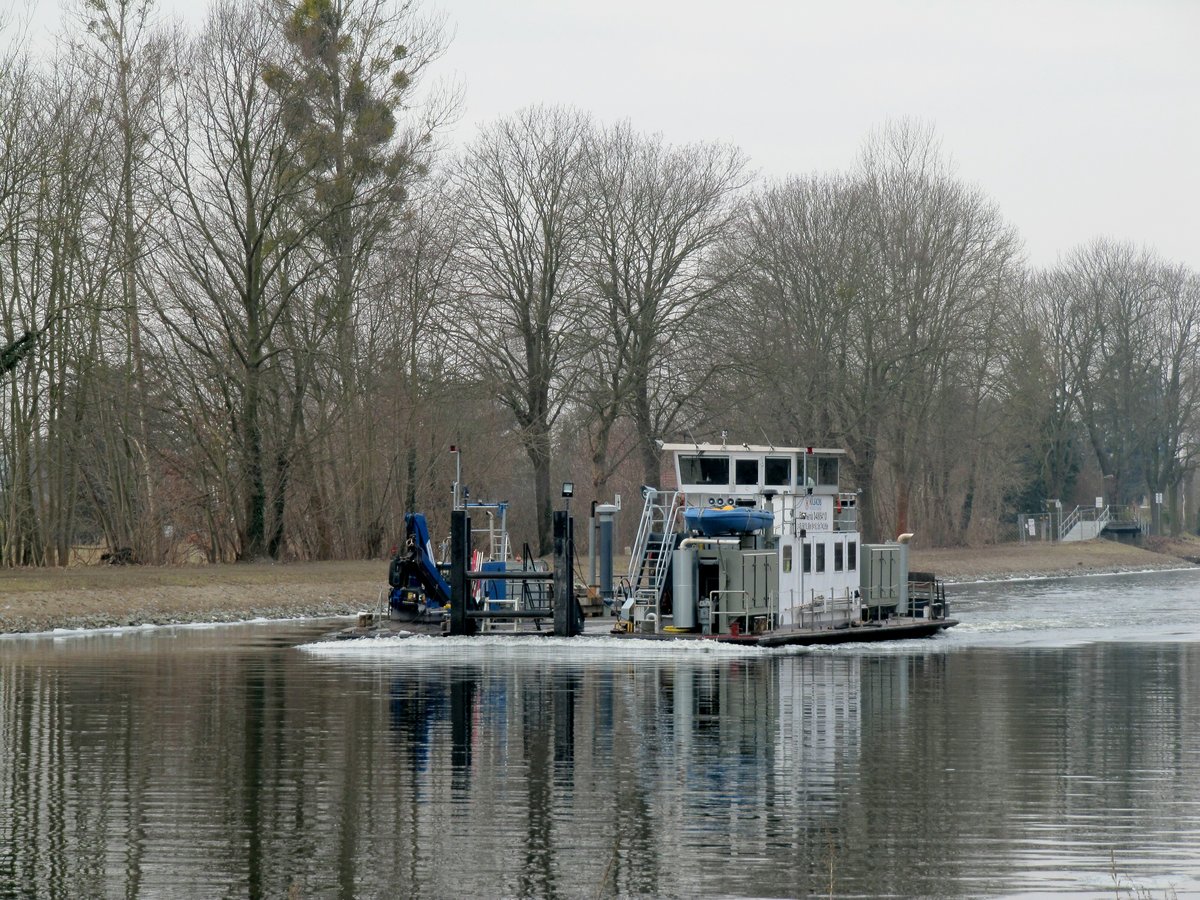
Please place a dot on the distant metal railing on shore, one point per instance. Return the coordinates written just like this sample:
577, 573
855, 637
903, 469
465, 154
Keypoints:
1080, 523
1033, 527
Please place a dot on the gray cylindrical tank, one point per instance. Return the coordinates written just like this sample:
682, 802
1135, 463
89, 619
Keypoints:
605, 514
903, 607
685, 564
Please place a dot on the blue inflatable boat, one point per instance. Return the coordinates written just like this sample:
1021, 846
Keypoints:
714, 521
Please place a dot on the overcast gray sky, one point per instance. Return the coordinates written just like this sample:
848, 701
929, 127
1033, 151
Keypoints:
1079, 117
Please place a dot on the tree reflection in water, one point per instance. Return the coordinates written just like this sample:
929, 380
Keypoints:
181, 762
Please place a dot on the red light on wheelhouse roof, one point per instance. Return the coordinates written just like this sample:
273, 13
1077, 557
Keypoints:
808, 450
453, 448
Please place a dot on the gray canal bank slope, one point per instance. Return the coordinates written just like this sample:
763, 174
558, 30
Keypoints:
33, 600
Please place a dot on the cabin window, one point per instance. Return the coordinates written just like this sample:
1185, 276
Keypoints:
777, 472
851, 556
820, 557
787, 557
746, 472
807, 558
827, 471
704, 470
839, 552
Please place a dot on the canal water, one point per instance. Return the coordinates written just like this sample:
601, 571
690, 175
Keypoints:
1049, 744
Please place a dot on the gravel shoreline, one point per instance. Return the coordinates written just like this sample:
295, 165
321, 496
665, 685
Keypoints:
37, 623
36, 601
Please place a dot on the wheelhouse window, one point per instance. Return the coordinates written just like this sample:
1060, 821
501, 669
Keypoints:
704, 470
827, 471
746, 472
777, 471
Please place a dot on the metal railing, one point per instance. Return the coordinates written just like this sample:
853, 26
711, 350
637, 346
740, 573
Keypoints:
1081, 523
820, 610
1087, 520
652, 548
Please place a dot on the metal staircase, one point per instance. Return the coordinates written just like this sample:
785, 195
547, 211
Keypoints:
651, 557
1084, 523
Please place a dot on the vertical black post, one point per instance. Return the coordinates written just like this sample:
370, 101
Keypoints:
460, 593
564, 581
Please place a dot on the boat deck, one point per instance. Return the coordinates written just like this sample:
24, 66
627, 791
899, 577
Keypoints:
891, 630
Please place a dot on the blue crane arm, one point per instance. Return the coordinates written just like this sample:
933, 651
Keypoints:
420, 563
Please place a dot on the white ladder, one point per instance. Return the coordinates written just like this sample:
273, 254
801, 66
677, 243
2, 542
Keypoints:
652, 549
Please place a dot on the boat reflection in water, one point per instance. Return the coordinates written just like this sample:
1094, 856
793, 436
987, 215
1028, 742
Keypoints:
228, 762
668, 765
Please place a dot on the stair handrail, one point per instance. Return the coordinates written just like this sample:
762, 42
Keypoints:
1101, 516
643, 537
665, 521
1065, 525
663, 561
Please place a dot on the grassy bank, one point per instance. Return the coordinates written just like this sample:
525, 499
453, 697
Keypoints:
102, 596
1017, 560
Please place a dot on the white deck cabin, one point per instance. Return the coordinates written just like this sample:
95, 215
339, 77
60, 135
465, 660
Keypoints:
816, 537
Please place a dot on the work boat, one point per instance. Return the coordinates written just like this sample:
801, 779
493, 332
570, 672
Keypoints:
759, 545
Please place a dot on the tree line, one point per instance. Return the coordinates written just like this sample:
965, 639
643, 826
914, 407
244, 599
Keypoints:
250, 300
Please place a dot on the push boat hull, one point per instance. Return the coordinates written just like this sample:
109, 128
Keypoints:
888, 630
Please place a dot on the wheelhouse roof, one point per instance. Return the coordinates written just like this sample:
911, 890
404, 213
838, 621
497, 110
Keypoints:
702, 449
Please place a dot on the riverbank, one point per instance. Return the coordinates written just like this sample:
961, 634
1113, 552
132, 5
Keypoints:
1006, 561
105, 596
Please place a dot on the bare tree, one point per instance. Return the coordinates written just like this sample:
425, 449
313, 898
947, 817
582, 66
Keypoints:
22, 142
941, 256
347, 73
123, 59
229, 270
868, 318
348, 77
1170, 445
1038, 395
49, 171
801, 244
1132, 348
655, 214
1110, 291
411, 380
520, 196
